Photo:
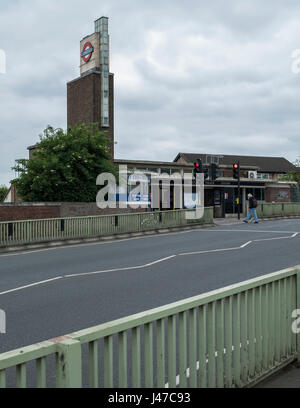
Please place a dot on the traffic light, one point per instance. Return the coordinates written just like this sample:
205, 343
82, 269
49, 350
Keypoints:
198, 167
213, 171
206, 173
237, 176
236, 171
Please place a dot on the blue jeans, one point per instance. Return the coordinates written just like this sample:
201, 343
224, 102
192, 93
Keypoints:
253, 212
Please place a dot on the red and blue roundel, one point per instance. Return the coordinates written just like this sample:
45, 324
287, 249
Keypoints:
87, 52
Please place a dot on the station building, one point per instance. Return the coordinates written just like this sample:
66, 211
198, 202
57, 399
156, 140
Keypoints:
260, 176
90, 99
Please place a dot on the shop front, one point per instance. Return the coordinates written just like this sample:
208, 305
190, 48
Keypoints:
226, 199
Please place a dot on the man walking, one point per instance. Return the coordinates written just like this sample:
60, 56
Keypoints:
252, 209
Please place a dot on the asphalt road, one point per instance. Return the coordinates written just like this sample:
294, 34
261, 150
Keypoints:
133, 275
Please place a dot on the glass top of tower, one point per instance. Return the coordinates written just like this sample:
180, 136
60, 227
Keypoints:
101, 25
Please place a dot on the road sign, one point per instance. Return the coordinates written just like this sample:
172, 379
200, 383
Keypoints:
87, 52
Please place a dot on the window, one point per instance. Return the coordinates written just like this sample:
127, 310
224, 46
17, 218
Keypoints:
263, 176
258, 193
175, 171
166, 171
153, 170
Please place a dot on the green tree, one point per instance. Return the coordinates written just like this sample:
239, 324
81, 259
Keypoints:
65, 165
293, 175
3, 192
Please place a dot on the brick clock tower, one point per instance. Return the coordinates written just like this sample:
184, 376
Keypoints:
91, 96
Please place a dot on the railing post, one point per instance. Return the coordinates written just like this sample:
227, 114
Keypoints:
10, 229
69, 364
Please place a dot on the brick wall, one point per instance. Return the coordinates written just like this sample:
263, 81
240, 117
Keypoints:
227, 173
84, 102
29, 211
18, 212
278, 195
90, 209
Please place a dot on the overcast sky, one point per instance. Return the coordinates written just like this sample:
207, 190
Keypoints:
195, 76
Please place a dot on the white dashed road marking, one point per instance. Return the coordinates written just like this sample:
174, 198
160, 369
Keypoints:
295, 234
31, 285
121, 269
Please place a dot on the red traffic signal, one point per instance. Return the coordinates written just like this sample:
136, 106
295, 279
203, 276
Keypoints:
198, 167
236, 171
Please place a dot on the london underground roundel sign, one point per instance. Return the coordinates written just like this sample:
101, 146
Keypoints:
87, 52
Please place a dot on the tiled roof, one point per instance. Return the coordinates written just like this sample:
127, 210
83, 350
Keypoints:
264, 164
151, 163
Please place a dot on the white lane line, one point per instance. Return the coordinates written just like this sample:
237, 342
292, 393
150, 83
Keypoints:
247, 243
146, 265
88, 273
240, 247
31, 285
273, 239
216, 250
160, 260
256, 231
115, 241
209, 251
121, 269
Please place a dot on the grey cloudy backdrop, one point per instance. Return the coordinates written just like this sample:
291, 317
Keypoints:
193, 76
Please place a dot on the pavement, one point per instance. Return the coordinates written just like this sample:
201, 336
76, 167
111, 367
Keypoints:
227, 221
51, 292
288, 377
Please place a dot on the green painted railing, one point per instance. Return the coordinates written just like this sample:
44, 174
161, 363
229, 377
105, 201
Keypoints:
278, 210
231, 337
56, 229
